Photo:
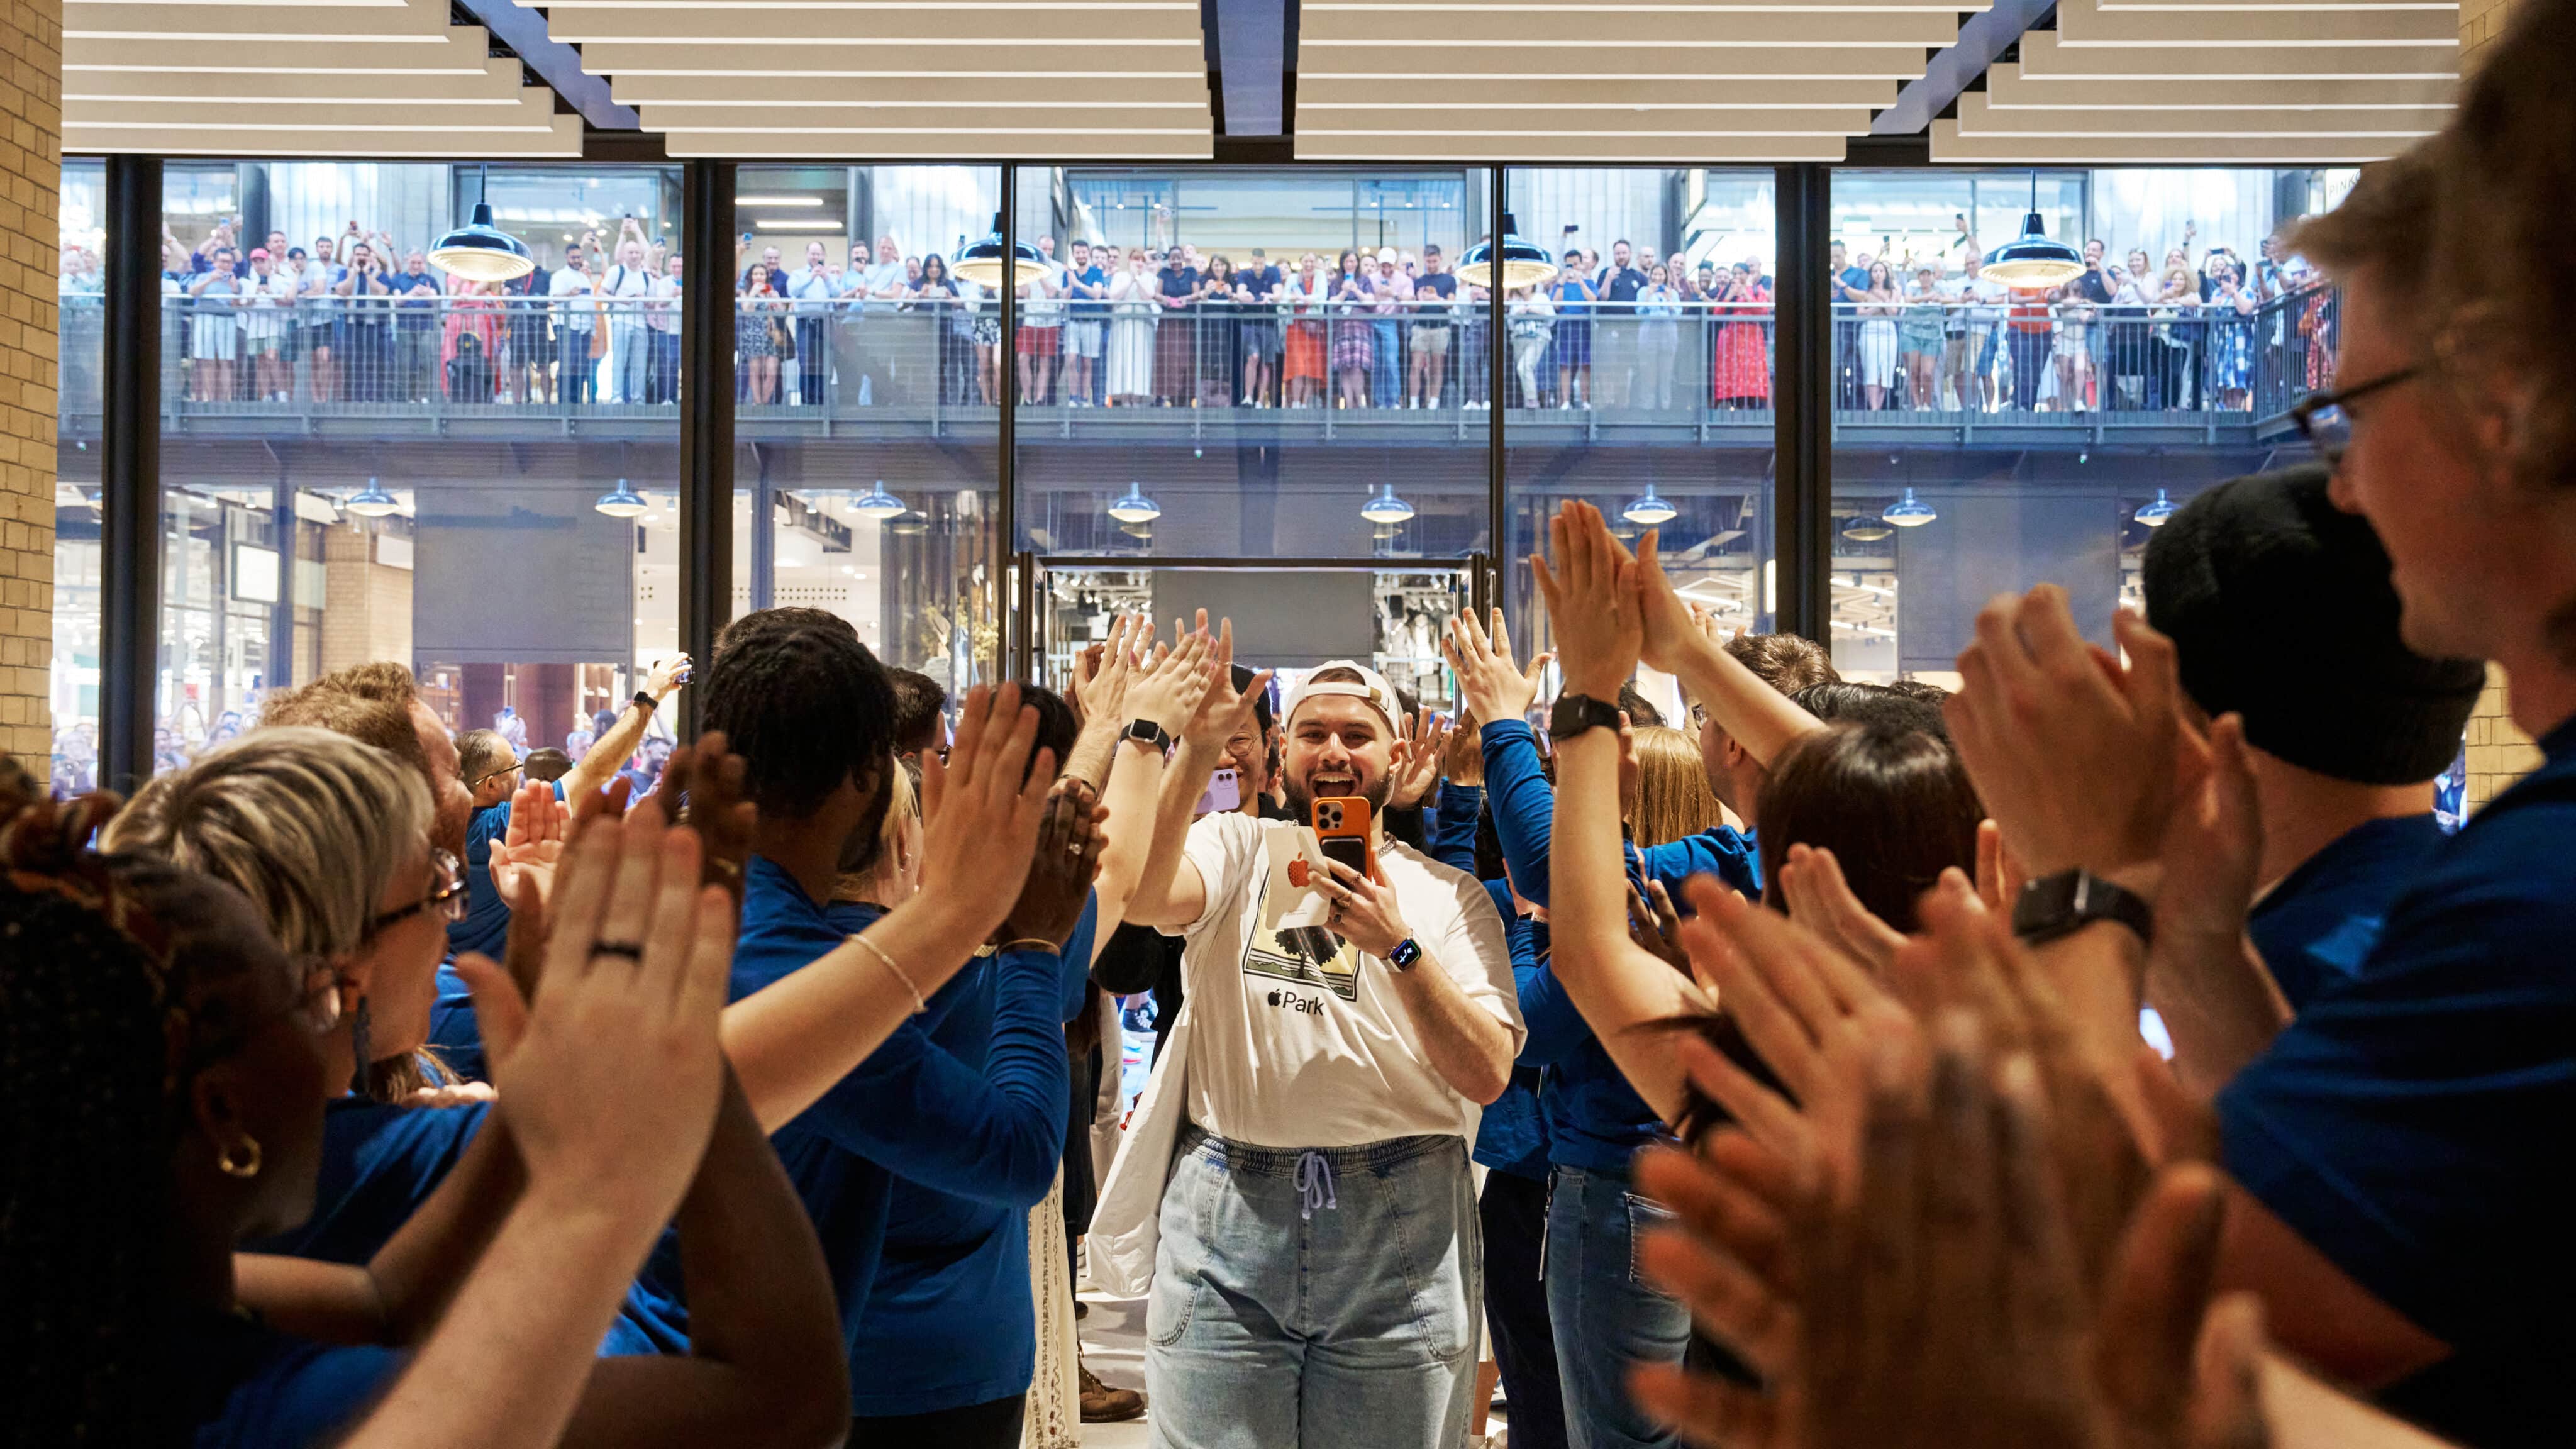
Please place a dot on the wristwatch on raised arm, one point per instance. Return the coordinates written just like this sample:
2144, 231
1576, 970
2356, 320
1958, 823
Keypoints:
1145, 731
1403, 954
1577, 713
2064, 903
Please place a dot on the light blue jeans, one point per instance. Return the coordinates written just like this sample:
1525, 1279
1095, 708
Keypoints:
1314, 1300
1601, 1310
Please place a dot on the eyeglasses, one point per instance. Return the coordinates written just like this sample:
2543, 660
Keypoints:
446, 894
2325, 418
511, 768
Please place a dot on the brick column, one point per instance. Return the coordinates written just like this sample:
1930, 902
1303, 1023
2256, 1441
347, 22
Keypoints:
31, 173
2499, 754
2481, 22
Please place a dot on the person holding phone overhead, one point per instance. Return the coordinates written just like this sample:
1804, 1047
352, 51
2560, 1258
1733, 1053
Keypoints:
1305, 1137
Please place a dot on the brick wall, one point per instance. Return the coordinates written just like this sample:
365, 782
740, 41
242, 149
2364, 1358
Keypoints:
2481, 21
366, 604
31, 167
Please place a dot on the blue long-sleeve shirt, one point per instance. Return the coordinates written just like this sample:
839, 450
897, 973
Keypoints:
1595, 1120
1513, 1135
988, 1132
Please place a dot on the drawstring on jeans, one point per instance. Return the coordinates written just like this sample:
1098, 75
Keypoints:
1315, 1184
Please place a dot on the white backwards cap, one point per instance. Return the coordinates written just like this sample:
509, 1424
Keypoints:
1371, 688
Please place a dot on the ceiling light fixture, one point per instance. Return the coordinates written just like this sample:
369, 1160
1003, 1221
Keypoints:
2153, 515
983, 263
878, 504
1866, 529
479, 251
371, 501
1649, 509
908, 525
778, 201
1385, 507
622, 501
1133, 506
1909, 511
2031, 259
1525, 264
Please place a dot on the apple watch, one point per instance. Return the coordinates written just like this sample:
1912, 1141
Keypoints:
1145, 731
1403, 954
2067, 902
1577, 713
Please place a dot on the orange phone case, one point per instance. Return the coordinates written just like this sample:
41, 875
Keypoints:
1344, 817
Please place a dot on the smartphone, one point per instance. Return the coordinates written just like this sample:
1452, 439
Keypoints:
1224, 793
1342, 829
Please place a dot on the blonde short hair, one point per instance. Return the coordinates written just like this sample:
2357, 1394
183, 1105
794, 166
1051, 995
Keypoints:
311, 825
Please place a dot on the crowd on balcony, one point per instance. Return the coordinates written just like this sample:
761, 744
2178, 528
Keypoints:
1914, 333
359, 318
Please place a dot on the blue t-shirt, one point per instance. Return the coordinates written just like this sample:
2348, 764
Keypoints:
381, 1162
454, 1035
1595, 1120
1091, 276
2411, 1122
1512, 1136
950, 1321
486, 927
261, 1389
2315, 927
990, 1132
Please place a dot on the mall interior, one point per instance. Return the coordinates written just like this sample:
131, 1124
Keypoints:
529, 346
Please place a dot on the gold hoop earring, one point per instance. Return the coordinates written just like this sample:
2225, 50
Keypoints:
246, 1164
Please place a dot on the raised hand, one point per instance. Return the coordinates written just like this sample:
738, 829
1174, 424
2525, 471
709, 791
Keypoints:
2073, 755
1592, 601
981, 808
1666, 616
1821, 900
1225, 709
525, 858
710, 777
611, 1076
1656, 926
667, 676
1417, 759
1171, 686
1489, 684
1061, 871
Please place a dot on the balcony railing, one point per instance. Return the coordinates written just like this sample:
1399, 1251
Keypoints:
1141, 371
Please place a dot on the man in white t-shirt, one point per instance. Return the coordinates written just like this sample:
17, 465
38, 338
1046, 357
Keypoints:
576, 313
1311, 1225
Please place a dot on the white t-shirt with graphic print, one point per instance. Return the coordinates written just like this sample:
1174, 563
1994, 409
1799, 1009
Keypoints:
1298, 1039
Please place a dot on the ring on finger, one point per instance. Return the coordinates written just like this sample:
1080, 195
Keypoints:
631, 950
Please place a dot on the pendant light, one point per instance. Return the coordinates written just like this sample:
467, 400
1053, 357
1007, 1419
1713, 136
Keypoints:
908, 525
2153, 515
1525, 264
2032, 260
1866, 529
479, 251
1649, 509
878, 504
621, 501
1385, 507
1909, 511
982, 262
1133, 506
372, 501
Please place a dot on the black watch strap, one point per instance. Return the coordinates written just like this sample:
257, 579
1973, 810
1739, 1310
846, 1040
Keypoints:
1148, 732
1576, 713
646, 702
2062, 904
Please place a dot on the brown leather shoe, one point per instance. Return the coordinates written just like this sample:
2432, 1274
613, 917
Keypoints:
1102, 1404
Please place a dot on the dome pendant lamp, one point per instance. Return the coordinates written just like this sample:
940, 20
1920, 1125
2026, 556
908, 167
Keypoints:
479, 251
1524, 263
983, 263
2031, 260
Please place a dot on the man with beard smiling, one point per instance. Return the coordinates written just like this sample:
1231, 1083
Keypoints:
1295, 1183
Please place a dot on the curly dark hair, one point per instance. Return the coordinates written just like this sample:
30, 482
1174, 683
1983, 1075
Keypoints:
1056, 725
806, 706
125, 978
918, 704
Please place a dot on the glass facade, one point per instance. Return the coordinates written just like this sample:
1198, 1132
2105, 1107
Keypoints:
1641, 376
864, 407
73, 680
1988, 438
1263, 391
364, 458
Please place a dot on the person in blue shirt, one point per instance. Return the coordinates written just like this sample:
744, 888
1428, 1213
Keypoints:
2281, 611
491, 769
990, 1130
1511, 1141
205, 1054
